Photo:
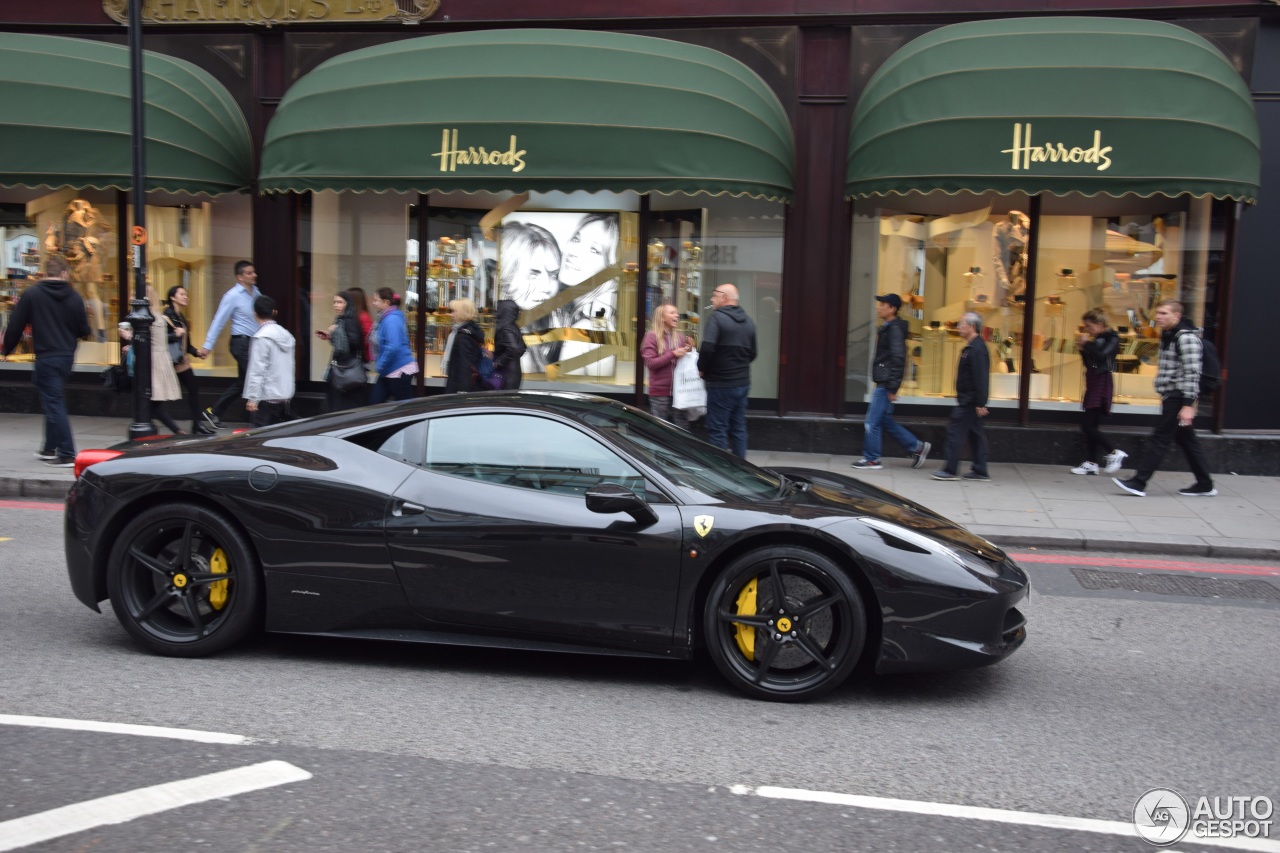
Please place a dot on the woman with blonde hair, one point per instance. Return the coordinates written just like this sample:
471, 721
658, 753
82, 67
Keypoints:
464, 354
164, 377
661, 348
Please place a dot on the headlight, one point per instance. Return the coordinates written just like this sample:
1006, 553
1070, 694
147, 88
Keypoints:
928, 545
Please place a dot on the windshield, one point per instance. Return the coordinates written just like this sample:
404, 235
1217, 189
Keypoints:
682, 458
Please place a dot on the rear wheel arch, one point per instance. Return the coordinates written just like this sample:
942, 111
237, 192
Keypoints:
122, 518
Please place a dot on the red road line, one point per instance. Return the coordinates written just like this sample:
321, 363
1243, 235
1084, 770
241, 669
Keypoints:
1161, 565
52, 507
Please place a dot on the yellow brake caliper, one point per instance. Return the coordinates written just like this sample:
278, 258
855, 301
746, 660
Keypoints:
746, 635
218, 590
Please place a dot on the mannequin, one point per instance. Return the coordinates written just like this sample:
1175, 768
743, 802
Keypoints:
1009, 247
82, 230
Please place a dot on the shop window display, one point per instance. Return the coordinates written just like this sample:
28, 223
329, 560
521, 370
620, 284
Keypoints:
184, 246
976, 259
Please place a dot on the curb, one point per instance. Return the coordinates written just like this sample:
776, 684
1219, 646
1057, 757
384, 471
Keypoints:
21, 487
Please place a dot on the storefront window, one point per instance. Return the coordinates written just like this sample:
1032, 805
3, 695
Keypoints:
1122, 256
1124, 263
191, 242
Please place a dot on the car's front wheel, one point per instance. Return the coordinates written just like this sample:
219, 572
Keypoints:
183, 581
784, 623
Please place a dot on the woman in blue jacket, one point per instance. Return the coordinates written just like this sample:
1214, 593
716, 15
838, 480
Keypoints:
395, 363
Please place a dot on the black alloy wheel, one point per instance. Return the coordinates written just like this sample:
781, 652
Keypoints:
184, 582
784, 623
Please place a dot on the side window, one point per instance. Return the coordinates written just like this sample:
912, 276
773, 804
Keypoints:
525, 452
405, 444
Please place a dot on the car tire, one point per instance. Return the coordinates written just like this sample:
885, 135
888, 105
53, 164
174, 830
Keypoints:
184, 582
820, 609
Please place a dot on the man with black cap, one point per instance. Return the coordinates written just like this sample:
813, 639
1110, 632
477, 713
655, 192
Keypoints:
887, 370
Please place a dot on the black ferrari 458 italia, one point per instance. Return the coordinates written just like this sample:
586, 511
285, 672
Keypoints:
533, 520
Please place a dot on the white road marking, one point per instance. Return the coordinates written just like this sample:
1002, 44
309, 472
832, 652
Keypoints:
1079, 824
121, 729
120, 808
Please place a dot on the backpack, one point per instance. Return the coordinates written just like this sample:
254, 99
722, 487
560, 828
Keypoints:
1210, 367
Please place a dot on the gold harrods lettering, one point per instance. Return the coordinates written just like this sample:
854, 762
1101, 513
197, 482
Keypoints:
1025, 152
271, 12
451, 156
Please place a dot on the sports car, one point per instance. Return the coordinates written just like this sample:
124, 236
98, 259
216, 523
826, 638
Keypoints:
532, 520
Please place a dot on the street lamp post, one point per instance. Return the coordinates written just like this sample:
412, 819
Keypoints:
140, 317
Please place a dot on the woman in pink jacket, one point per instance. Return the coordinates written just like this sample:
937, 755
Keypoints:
661, 348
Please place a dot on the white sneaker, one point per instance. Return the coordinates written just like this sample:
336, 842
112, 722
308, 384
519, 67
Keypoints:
1115, 461
1087, 468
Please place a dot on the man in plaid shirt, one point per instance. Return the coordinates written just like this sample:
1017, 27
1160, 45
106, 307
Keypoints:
1178, 384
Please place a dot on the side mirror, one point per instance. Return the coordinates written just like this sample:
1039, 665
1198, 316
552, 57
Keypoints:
609, 498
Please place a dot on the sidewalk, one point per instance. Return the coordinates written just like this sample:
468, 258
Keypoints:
1023, 505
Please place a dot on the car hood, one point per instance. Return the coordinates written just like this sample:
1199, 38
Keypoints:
845, 496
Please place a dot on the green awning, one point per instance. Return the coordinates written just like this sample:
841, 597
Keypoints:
68, 120
1057, 105
531, 109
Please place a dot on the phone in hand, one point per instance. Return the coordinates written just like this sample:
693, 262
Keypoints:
322, 334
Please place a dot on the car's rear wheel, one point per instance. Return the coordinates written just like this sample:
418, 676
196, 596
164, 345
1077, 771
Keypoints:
784, 623
183, 581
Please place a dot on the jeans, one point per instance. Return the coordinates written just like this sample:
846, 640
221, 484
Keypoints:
727, 418
240, 352
400, 388
1168, 431
880, 416
965, 423
660, 407
50, 377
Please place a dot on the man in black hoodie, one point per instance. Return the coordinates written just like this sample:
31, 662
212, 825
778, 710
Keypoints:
57, 318
724, 360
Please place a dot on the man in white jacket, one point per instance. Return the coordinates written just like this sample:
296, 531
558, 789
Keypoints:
268, 381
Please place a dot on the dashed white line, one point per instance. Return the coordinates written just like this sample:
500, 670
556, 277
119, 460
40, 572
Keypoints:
121, 729
1049, 821
120, 808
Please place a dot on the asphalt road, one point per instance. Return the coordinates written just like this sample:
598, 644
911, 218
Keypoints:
421, 748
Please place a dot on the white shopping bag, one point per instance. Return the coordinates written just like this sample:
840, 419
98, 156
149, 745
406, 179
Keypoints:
687, 390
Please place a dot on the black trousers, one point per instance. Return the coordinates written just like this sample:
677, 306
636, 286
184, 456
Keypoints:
270, 413
1168, 431
187, 378
1093, 436
240, 352
965, 423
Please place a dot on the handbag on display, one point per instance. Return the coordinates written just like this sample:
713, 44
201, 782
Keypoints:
347, 376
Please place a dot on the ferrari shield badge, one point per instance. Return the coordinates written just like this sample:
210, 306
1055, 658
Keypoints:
702, 524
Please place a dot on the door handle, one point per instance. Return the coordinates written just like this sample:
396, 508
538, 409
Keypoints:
406, 508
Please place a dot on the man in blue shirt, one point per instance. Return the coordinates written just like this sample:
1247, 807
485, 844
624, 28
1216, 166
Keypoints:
237, 307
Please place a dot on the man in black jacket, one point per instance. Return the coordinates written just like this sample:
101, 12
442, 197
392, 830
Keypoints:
58, 321
887, 370
724, 360
973, 383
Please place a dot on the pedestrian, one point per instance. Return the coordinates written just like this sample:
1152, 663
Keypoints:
395, 363
464, 355
58, 321
360, 305
973, 384
268, 383
1178, 384
236, 308
887, 370
164, 375
508, 344
179, 332
346, 339
1098, 345
724, 360
661, 348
